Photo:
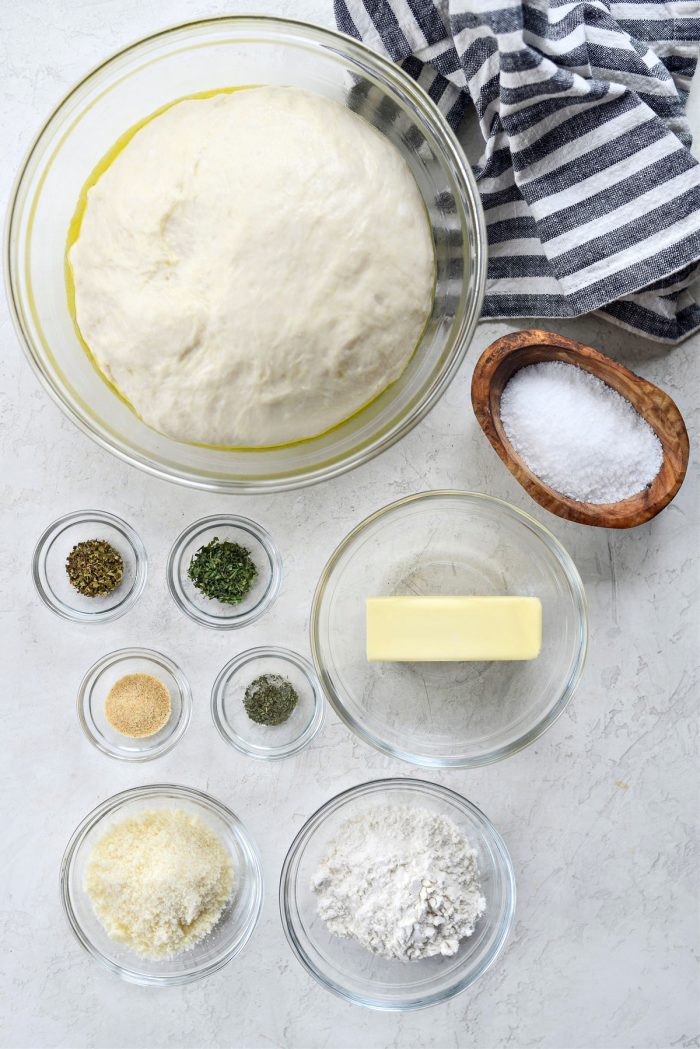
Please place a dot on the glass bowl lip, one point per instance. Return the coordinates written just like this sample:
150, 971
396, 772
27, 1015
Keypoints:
178, 730
132, 537
577, 591
421, 787
240, 744
468, 204
154, 790
239, 619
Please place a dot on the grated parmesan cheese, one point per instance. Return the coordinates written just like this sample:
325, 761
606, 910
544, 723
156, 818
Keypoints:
159, 881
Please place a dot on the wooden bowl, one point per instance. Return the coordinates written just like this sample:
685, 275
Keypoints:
505, 356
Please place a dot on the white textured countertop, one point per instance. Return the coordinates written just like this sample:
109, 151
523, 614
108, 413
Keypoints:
599, 815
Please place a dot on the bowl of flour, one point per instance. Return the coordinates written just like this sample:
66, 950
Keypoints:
246, 254
397, 894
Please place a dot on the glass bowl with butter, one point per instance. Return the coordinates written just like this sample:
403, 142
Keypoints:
213, 56
426, 629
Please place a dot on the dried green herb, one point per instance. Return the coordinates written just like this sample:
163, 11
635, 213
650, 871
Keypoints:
270, 699
223, 571
94, 568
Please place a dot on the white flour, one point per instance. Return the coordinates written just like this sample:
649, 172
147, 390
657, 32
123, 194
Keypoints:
402, 881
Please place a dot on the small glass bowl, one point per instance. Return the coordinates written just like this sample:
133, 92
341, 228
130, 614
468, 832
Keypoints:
229, 935
49, 566
263, 551
452, 714
267, 741
94, 690
344, 966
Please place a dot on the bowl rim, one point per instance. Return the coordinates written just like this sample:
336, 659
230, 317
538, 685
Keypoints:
468, 203
112, 804
421, 787
179, 728
134, 540
237, 741
236, 619
578, 594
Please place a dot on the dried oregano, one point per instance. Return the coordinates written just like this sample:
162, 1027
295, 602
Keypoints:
94, 568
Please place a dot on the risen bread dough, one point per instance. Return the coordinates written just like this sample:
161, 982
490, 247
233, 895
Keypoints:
253, 268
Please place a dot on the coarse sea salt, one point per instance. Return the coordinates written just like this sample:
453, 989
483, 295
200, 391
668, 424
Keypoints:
578, 435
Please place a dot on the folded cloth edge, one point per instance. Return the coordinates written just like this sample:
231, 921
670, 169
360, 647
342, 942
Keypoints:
657, 247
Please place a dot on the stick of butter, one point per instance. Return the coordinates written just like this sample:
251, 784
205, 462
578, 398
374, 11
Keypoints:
443, 629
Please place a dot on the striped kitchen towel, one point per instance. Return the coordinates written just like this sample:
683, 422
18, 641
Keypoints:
591, 194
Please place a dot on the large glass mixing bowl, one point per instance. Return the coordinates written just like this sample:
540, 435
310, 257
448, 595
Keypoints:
448, 714
202, 56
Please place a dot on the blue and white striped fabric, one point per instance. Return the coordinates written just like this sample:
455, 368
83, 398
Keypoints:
591, 195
